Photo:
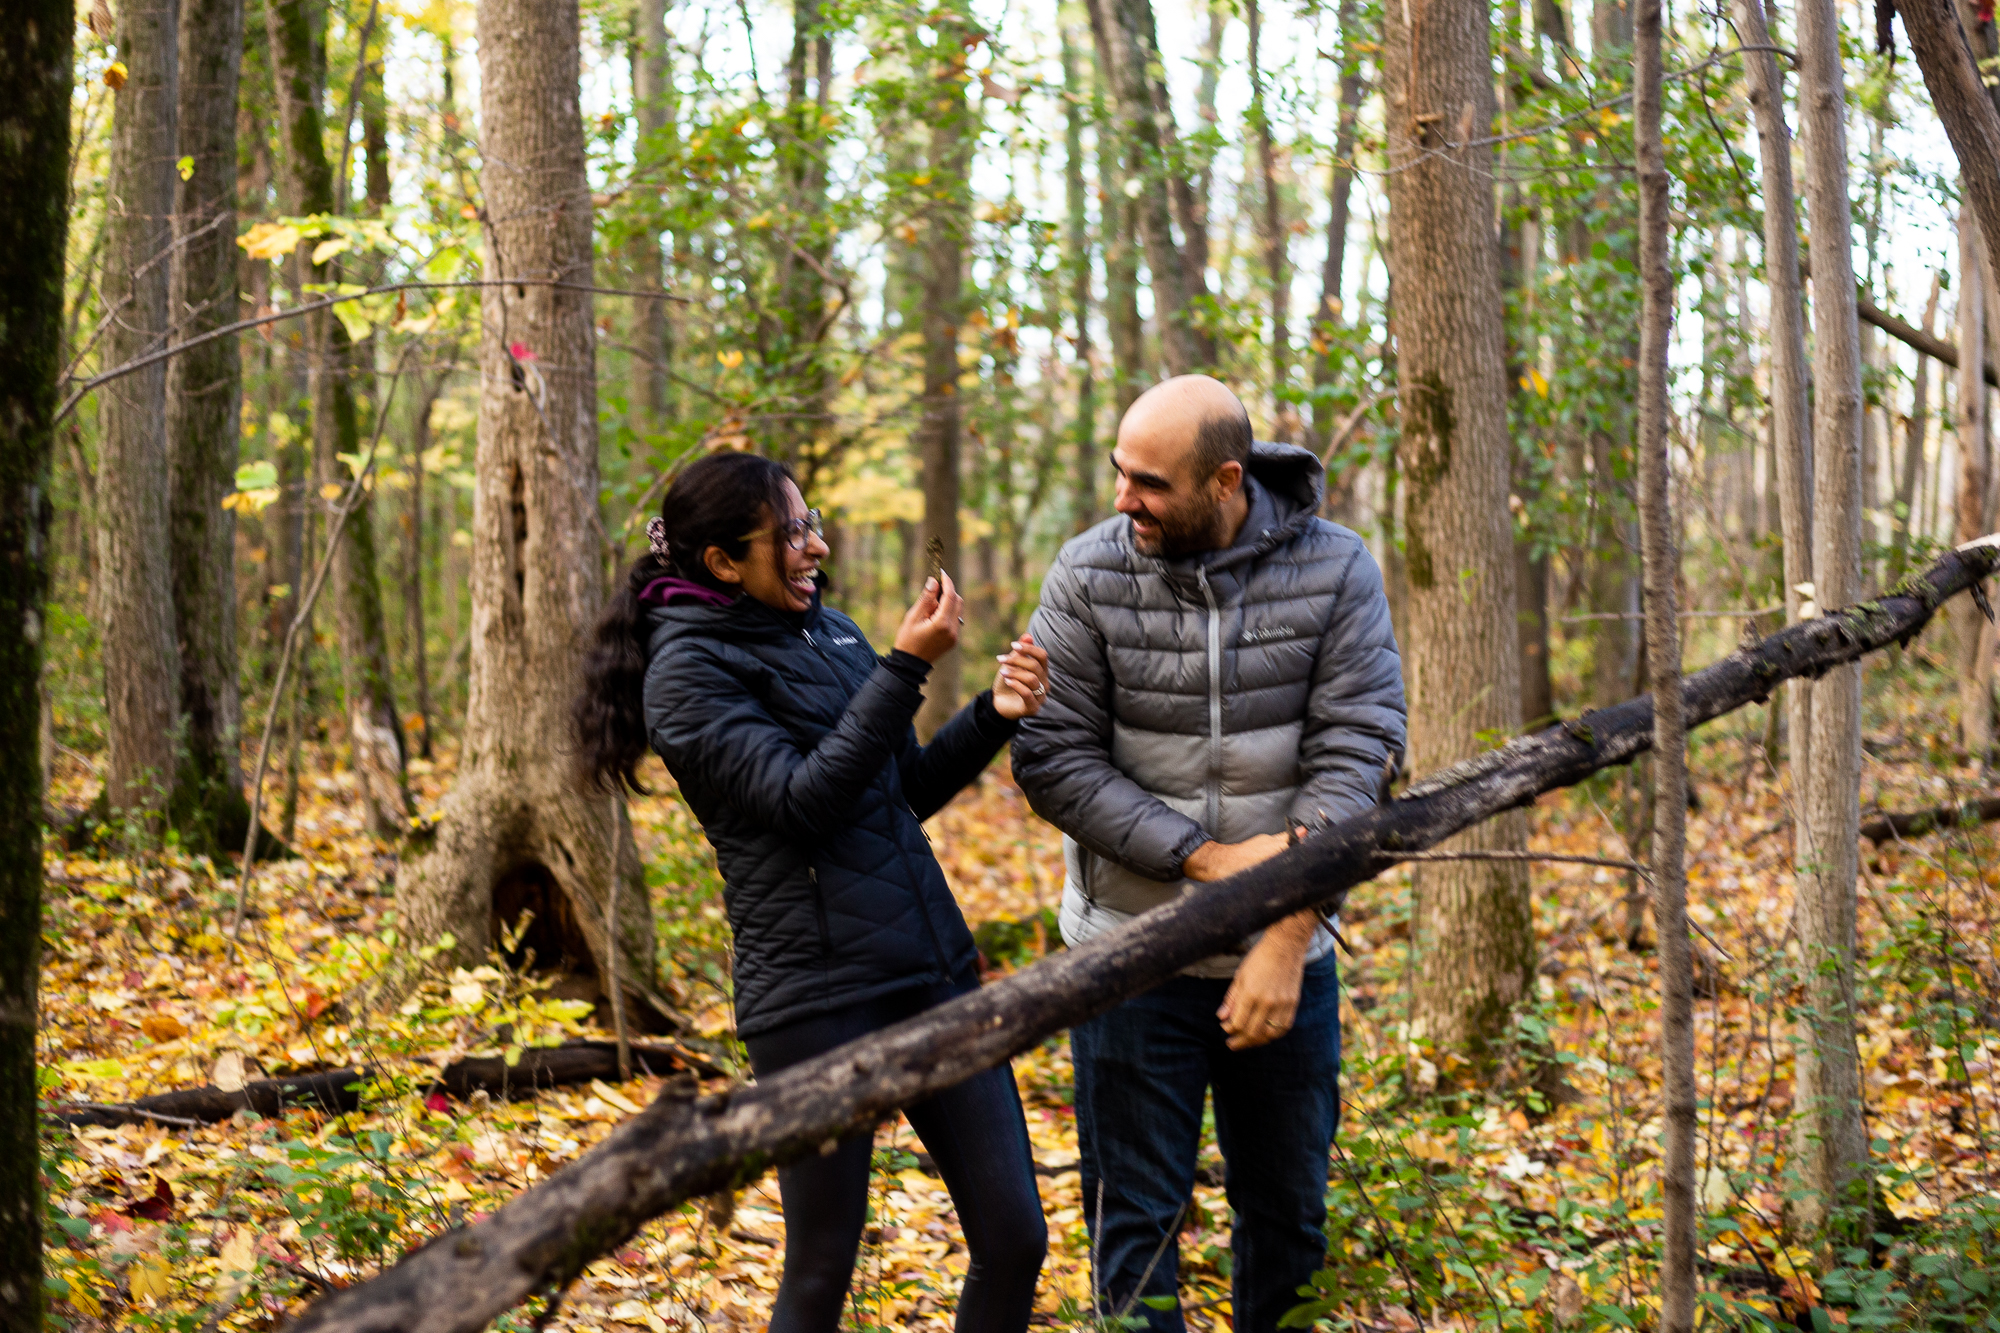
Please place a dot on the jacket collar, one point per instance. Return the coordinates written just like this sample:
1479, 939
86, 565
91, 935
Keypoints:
745, 620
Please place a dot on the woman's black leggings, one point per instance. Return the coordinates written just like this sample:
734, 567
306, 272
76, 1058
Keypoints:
974, 1132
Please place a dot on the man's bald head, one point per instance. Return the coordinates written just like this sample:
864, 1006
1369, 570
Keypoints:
1195, 417
1183, 449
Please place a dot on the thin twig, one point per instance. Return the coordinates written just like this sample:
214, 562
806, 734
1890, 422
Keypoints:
324, 303
349, 502
1747, 613
1612, 862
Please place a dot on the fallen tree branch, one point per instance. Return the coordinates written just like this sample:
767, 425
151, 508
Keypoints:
1916, 823
683, 1146
336, 1091
1932, 346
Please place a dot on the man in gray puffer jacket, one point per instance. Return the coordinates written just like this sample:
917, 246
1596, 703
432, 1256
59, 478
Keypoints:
1222, 670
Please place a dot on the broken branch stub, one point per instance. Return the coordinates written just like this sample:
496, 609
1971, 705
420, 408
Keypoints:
682, 1147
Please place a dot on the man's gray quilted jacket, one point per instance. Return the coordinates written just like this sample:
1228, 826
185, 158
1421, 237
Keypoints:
1215, 696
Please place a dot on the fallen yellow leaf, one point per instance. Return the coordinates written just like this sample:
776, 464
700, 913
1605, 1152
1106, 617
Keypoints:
151, 1277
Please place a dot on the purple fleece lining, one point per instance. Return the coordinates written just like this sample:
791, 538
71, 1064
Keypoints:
667, 590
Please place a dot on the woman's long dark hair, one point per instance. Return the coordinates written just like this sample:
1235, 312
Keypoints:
714, 502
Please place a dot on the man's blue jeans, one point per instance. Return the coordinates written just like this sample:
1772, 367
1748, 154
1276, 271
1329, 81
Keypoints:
1141, 1070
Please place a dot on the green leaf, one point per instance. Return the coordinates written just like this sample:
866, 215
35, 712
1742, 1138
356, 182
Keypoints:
256, 476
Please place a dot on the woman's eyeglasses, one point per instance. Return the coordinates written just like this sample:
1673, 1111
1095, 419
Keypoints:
794, 533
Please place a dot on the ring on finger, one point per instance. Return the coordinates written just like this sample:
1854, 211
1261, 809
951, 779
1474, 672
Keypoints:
1041, 690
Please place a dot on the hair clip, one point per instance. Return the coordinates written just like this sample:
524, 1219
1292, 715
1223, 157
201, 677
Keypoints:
656, 536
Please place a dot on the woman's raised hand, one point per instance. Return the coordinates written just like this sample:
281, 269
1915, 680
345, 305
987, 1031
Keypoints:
930, 629
1022, 682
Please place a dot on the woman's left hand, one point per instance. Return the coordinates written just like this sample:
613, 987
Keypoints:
1022, 682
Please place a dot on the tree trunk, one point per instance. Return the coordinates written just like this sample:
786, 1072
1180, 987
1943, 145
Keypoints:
1340, 495
653, 107
1076, 259
1129, 54
133, 593
946, 226
35, 68
204, 396
1789, 419
1975, 494
375, 729
1832, 1142
1913, 446
1118, 221
413, 564
1473, 926
1284, 418
1661, 565
517, 826
803, 244
681, 1147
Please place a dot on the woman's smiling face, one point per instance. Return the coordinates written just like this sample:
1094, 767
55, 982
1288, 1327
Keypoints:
776, 573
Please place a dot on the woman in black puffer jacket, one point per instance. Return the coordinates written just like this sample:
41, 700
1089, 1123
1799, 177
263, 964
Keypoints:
791, 742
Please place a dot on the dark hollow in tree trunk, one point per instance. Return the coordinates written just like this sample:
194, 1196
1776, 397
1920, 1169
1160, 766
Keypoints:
681, 1147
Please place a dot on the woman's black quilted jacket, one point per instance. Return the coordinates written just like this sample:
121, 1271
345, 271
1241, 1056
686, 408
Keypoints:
791, 742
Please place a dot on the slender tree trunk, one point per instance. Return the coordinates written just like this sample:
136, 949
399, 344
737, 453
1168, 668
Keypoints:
1663, 663
204, 394
1340, 494
1913, 446
952, 134
133, 590
516, 824
653, 105
375, 729
1975, 488
1076, 260
413, 564
1284, 418
803, 244
1789, 418
1474, 930
1832, 1142
35, 68
1129, 54
1118, 221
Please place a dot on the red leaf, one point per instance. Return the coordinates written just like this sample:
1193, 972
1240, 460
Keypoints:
110, 1220
438, 1102
159, 1207
315, 1005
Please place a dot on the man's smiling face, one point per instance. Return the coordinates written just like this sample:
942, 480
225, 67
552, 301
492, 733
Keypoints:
1174, 511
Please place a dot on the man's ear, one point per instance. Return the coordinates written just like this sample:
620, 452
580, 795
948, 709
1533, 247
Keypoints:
1228, 478
720, 565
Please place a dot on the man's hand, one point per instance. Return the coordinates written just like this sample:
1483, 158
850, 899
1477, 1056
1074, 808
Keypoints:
1219, 860
1264, 998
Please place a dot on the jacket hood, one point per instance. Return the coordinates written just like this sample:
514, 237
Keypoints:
1293, 477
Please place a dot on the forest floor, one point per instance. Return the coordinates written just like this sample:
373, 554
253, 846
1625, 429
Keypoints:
1450, 1206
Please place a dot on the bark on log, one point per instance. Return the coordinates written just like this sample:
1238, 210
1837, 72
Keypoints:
338, 1090
1916, 823
681, 1146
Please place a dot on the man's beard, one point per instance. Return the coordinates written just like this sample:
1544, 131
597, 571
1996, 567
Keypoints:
1188, 530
